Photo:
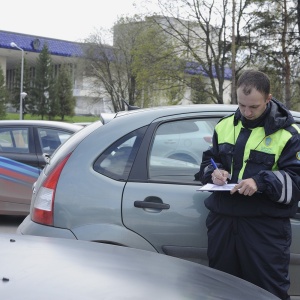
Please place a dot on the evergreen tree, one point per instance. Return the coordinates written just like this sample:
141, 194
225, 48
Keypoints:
3, 95
15, 95
65, 101
43, 92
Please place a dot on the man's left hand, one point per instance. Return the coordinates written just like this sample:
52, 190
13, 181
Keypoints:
246, 187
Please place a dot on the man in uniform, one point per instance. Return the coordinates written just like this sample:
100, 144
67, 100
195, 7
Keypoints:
257, 147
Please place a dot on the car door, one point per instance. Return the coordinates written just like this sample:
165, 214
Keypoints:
18, 168
295, 248
22, 149
162, 204
160, 200
17, 143
295, 256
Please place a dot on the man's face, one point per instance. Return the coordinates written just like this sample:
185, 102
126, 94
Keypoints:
253, 105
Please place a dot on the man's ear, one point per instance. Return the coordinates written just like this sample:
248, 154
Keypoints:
269, 98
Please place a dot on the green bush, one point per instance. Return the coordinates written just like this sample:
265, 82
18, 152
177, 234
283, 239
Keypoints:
74, 119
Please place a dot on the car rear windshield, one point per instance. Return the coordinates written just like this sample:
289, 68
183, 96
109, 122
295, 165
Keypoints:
70, 145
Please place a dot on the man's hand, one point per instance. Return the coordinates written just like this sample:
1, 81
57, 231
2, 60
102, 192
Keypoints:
246, 187
220, 177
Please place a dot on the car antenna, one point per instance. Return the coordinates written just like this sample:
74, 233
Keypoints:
130, 107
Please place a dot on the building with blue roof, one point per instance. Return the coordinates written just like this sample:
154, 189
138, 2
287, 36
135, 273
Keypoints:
64, 52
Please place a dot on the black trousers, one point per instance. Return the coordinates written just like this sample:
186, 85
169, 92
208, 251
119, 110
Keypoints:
256, 249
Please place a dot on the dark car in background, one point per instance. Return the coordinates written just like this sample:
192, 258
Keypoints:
23, 147
50, 268
131, 182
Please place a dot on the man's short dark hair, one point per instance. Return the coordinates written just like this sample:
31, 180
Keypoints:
254, 79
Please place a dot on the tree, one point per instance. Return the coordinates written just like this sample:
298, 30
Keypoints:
201, 30
3, 95
298, 16
107, 70
160, 73
15, 93
140, 67
264, 34
199, 45
65, 101
43, 92
275, 42
233, 55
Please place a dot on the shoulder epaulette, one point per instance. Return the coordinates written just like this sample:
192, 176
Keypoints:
292, 129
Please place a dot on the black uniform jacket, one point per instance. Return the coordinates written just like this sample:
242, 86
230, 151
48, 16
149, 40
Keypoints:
278, 190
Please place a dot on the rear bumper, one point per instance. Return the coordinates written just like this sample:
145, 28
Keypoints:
28, 227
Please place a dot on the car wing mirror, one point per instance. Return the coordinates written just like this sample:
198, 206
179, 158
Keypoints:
46, 158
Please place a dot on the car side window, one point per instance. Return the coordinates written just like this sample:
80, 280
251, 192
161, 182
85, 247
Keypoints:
177, 148
117, 160
14, 140
50, 139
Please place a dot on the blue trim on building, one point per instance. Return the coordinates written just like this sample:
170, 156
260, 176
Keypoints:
194, 68
32, 43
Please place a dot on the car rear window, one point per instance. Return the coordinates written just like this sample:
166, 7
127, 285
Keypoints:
50, 139
69, 145
116, 161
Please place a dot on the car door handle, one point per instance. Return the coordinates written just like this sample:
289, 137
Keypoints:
147, 204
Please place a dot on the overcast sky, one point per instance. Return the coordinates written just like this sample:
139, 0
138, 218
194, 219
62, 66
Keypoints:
65, 19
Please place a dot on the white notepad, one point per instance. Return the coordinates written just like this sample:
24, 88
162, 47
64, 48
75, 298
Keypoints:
214, 187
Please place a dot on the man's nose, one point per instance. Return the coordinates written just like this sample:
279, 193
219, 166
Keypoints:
247, 112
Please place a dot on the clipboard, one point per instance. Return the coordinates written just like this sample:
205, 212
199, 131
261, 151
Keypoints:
210, 187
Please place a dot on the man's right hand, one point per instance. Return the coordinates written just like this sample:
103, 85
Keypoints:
220, 177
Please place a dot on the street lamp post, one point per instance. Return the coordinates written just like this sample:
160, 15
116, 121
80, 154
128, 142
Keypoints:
22, 94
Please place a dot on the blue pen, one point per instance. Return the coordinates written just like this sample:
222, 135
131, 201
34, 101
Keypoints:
216, 167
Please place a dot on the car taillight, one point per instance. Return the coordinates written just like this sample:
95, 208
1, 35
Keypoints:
44, 201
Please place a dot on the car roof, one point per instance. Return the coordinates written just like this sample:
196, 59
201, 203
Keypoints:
161, 111
58, 268
186, 108
56, 124
83, 123
177, 109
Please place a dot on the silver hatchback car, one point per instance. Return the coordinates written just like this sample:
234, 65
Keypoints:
131, 182
96, 271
